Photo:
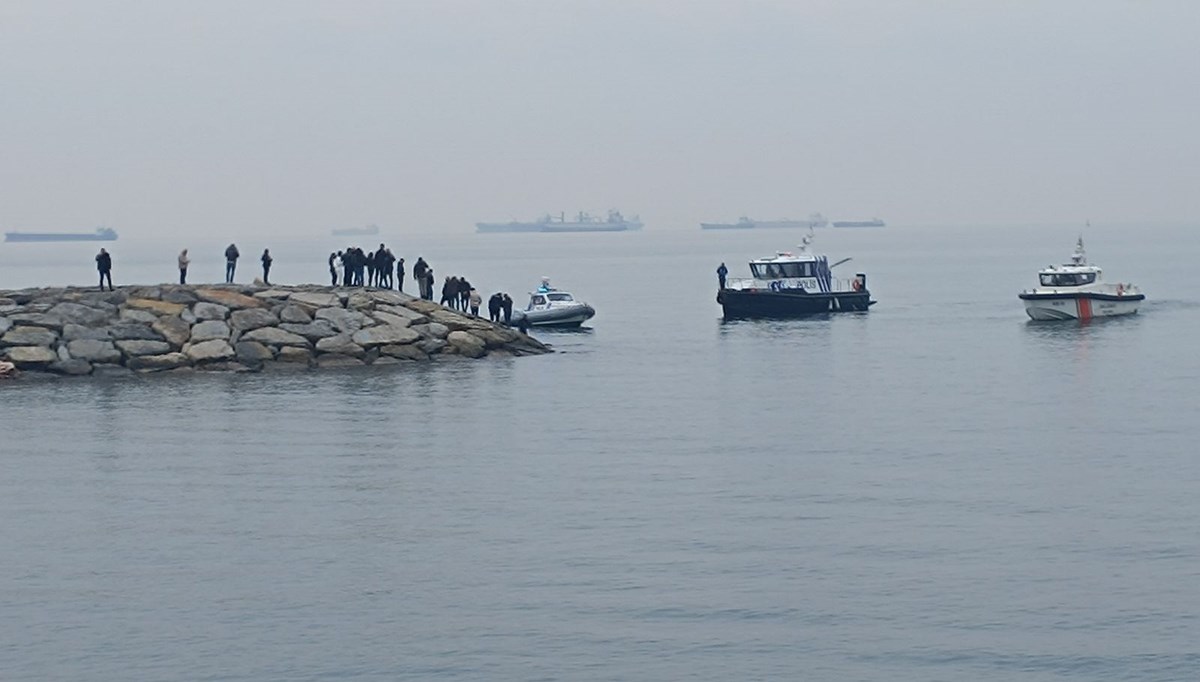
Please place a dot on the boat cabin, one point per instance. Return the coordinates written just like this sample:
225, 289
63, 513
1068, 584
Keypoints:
1073, 277
545, 299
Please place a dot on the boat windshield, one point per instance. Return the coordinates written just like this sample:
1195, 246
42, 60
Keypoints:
537, 300
560, 296
1067, 279
781, 270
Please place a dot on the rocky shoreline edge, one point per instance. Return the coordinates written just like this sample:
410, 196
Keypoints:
172, 328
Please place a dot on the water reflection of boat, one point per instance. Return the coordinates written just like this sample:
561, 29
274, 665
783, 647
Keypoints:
1075, 291
550, 307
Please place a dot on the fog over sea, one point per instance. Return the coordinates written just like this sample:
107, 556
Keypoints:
938, 489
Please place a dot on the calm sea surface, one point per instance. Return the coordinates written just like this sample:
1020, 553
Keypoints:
936, 490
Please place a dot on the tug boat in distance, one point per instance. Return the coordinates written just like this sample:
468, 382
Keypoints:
793, 285
1074, 291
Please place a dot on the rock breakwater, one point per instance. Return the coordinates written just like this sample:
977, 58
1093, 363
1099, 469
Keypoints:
144, 329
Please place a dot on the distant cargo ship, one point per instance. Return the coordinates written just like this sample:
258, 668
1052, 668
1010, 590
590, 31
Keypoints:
873, 222
615, 222
744, 223
101, 234
356, 231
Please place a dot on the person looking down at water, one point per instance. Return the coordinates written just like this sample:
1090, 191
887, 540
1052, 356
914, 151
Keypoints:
184, 261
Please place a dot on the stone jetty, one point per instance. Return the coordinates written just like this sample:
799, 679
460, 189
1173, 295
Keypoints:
146, 329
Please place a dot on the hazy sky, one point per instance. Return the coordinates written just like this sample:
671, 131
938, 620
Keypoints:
299, 116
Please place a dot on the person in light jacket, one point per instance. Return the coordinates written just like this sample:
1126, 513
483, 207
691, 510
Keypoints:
474, 299
183, 266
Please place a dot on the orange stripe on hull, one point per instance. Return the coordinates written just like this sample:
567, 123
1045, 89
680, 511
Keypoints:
1085, 308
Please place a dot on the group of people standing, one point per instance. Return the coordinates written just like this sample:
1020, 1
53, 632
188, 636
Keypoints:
458, 294
356, 268
500, 308
104, 265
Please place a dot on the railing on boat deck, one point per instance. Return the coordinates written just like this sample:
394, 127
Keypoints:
837, 285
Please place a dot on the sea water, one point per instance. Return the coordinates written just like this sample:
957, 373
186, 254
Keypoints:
938, 489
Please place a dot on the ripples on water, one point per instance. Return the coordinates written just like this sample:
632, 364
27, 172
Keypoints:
935, 490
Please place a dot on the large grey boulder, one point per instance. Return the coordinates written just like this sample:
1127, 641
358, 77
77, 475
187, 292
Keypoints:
294, 314
28, 336
314, 300
433, 330
30, 356
344, 320
294, 354
409, 351
360, 300
341, 344
467, 344
73, 332
94, 350
179, 295
77, 313
133, 347
72, 367
210, 351
210, 311
431, 346
252, 353
155, 306
174, 330
313, 331
209, 330
158, 363
128, 331
5, 325
335, 360
401, 311
252, 318
384, 335
390, 319
37, 319
141, 316
273, 336
228, 298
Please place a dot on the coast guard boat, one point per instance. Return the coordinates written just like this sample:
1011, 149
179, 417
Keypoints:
1074, 291
550, 307
793, 285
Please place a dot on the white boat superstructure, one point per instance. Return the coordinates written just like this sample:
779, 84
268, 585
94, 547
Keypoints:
1076, 291
550, 307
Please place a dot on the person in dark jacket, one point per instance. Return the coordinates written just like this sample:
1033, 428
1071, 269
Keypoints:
506, 304
419, 269
400, 275
104, 265
332, 269
495, 304
464, 294
231, 256
266, 262
449, 292
722, 272
428, 284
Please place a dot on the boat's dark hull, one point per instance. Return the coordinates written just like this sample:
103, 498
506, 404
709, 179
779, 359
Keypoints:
759, 303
